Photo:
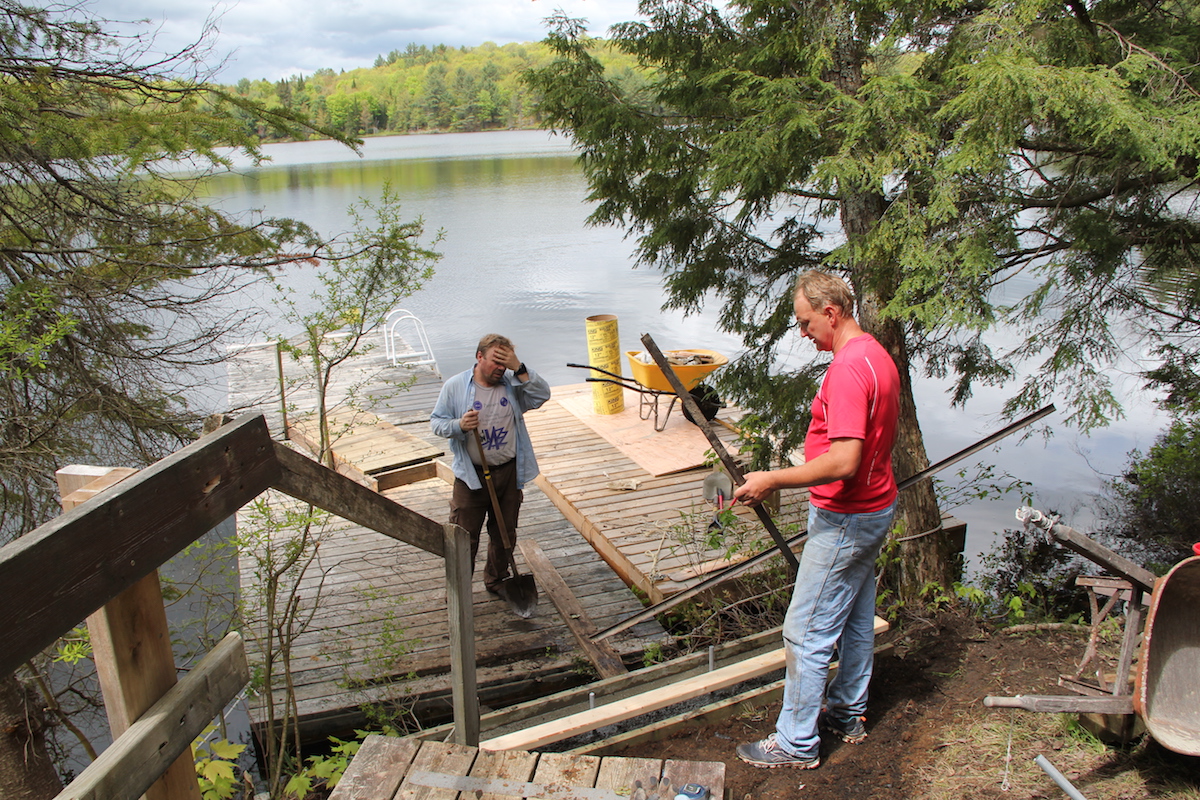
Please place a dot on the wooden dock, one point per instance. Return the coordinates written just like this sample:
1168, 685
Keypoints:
378, 631
650, 528
387, 768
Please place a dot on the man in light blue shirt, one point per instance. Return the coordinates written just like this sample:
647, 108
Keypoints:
491, 398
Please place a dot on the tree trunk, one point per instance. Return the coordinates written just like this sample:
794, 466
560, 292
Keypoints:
28, 773
927, 559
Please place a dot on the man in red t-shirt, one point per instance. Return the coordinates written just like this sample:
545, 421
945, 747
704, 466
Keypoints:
852, 500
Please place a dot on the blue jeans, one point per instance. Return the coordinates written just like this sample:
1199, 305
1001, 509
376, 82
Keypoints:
833, 603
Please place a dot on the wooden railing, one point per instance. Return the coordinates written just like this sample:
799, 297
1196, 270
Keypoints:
95, 553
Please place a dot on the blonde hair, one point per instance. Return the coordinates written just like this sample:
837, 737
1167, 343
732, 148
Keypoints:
821, 289
493, 340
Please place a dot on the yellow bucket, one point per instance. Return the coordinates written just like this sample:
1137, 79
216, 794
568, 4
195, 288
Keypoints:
604, 351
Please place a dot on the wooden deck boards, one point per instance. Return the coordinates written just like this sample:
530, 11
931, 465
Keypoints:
382, 610
653, 536
381, 614
387, 768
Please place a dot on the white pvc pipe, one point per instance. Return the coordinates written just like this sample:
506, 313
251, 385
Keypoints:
1058, 778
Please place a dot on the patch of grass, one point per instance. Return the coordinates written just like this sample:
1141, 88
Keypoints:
973, 763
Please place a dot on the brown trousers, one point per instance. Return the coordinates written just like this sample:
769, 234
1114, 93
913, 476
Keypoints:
469, 508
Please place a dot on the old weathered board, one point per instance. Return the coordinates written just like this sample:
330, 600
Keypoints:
604, 658
393, 770
377, 768
134, 761
363, 439
303, 478
98, 550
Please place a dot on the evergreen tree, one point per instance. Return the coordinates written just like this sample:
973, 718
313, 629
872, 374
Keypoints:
109, 265
111, 269
929, 152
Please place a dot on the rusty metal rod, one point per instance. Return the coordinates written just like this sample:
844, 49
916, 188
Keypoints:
734, 570
718, 447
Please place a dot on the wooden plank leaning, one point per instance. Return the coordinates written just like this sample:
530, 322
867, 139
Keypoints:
464, 686
604, 658
58, 573
134, 761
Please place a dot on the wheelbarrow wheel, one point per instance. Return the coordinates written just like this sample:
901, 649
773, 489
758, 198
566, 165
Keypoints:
707, 400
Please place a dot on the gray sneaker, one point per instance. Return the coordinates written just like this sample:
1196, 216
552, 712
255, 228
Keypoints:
767, 754
850, 731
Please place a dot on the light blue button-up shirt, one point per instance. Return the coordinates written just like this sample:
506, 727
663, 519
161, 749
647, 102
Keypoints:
456, 397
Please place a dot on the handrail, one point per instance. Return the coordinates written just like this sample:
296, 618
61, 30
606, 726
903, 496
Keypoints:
69, 567
62, 571
420, 357
131, 764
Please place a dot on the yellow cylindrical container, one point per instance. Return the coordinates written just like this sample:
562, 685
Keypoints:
604, 351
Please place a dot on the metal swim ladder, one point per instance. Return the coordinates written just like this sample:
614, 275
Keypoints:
400, 350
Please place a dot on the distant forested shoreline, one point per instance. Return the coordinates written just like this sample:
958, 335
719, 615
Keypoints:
423, 89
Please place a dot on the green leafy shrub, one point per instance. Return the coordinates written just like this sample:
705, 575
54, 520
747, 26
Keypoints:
1156, 502
217, 770
1029, 578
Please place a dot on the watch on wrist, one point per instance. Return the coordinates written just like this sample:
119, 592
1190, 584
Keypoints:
521, 370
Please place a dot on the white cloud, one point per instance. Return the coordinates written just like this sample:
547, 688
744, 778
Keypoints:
275, 39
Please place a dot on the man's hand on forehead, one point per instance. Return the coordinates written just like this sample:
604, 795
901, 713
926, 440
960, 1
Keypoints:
506, 356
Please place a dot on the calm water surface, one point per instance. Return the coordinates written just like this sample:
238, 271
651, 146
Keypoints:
519, 259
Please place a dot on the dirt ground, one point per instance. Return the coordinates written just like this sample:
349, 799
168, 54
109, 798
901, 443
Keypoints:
929, 735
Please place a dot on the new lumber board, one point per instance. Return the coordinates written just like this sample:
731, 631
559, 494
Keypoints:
709, 714
627, 708
612, 713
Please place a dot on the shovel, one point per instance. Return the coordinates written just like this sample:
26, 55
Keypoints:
519, 591
718, 487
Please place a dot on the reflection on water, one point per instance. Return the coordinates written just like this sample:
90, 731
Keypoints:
520, 259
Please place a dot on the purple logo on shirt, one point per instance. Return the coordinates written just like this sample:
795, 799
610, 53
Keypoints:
503, 401
478, 406
494, 438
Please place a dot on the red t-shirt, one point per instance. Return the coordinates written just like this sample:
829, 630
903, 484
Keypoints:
859, 399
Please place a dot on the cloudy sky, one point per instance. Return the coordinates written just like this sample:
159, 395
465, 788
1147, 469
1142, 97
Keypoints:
278, 38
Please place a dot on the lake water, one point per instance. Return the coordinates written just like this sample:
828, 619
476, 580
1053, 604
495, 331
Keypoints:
519, 259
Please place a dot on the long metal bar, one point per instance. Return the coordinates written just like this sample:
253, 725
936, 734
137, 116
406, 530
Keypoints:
975, 448
1089, 548
732, 571
718, 447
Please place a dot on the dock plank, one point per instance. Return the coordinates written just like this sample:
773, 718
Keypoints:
362, 438
653, 536
381, 617
431, 770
